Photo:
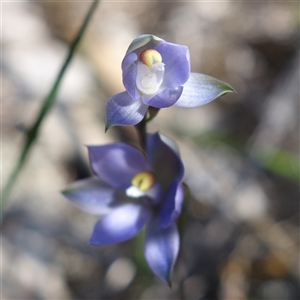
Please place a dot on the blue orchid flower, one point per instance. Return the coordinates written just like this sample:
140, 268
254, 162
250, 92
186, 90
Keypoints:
133, 190
157, 74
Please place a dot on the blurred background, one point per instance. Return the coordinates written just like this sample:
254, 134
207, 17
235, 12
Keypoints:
240, 226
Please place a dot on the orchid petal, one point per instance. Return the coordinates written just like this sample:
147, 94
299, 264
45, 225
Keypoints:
170, 143
123, 110
143, 40
166, 98
165, 162
172, 205
177, 63
116, 164
201, 89
161, 249
93, 196
120, 225
129, 69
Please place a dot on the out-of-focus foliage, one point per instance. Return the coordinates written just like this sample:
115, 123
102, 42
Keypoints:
240, 229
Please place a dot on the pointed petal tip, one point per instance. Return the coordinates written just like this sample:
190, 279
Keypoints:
64, 192
92, 243
226, 91
223, 86
230, 89
201, 89
107, 126
161, 249
166, 281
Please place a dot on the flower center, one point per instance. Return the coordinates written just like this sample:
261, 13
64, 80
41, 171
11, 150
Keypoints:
140, 184
150, 57
144, 180
150, 72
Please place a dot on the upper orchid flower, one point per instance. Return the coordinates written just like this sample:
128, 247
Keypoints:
157, 73
133, 190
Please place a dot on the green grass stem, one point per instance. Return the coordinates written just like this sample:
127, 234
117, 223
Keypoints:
49, 101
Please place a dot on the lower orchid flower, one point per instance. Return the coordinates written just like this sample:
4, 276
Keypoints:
133, 190
157, 74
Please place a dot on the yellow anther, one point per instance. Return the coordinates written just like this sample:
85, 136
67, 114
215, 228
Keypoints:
143, 181
150, 57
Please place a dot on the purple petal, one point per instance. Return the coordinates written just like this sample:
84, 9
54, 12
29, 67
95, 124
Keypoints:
201, 89
161, 249
172, 205
116, 164
165, 162
170, 143
129, 69
142, 41
177, 63
93, 196
121, 109
121, 224
166, 98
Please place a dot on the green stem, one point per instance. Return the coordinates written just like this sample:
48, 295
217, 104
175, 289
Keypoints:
142, 130
142, 126
32, 133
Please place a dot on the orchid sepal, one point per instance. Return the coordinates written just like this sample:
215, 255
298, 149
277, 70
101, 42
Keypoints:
201, 89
